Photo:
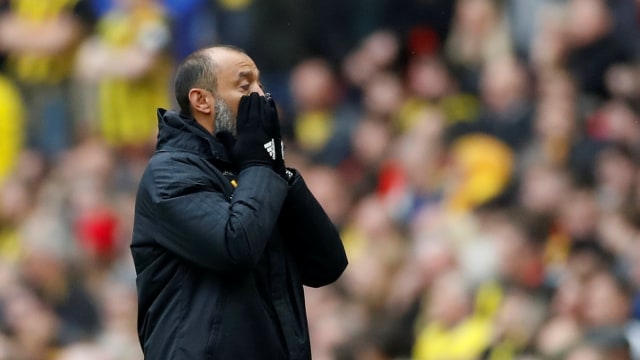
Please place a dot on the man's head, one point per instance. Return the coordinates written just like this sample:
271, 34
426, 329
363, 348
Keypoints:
210, 82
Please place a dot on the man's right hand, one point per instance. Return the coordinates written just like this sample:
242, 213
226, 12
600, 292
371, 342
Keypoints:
256, 136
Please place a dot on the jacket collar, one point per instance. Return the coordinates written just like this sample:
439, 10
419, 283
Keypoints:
180, 132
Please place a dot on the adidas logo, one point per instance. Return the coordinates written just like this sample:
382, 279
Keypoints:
271, 148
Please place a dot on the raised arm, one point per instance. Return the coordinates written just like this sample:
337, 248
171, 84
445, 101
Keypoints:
200, 225
311, 236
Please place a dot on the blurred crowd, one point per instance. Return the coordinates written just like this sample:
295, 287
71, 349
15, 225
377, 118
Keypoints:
481, 159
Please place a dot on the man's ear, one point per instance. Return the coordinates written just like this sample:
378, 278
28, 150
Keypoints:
201, 101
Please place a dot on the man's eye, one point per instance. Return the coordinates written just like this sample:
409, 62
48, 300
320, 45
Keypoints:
245, 87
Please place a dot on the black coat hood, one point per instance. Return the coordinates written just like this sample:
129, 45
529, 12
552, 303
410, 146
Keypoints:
177, 131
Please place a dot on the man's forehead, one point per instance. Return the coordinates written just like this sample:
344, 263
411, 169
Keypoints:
233, 63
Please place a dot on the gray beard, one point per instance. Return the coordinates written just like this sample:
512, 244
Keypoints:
225, 121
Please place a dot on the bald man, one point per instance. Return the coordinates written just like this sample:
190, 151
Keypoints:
224, 235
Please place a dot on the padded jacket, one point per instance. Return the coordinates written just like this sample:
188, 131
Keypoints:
221, 257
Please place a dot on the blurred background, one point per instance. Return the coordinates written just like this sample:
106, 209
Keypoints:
481, 159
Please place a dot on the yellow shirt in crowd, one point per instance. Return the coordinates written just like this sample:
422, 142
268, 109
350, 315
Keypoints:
38, 68
465, 341
11, 122
11, 138
128, 106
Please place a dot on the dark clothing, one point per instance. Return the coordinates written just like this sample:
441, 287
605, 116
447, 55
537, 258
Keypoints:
220, 269
589, 63
514, 126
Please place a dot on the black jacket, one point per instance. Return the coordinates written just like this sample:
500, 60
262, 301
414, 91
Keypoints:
220, 269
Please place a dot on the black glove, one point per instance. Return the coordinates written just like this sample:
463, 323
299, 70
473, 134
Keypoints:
255, 142
273, 128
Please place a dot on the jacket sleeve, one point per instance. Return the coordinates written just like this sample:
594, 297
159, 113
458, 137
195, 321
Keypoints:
311, 236
205, 228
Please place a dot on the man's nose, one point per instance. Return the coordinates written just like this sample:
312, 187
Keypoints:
258, 89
